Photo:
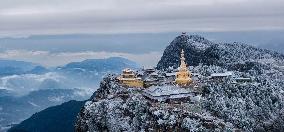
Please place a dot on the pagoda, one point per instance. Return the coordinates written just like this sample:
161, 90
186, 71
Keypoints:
183, 76
129, 79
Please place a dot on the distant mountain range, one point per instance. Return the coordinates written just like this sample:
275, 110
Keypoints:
12, 67
112, 64
32, 87
90, 72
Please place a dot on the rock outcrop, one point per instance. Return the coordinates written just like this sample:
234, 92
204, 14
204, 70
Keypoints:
116, 108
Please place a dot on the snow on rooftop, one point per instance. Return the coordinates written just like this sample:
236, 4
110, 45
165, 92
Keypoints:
243, 78
166, 90
127, 70
150, 79
138, 78
171, 74
222, 74
154, 74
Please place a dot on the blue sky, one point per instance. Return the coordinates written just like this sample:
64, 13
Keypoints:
55, 32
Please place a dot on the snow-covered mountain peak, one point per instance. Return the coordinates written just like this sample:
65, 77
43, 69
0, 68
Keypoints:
191, 40
199, 50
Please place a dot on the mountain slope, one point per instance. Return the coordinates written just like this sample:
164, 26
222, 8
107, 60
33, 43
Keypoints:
249, 106
60, 118
16, 109
199, 50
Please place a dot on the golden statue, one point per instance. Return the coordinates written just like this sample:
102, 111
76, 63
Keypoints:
128, 78
183, 76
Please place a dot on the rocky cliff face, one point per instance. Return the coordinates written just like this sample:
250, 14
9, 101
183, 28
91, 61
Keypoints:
115, 108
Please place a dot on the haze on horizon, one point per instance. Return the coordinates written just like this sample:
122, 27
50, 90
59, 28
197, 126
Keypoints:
246, 21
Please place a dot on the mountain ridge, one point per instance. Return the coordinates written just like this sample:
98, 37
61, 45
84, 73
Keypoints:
199, 50
63, 119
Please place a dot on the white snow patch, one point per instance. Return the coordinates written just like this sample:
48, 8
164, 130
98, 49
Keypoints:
200, 46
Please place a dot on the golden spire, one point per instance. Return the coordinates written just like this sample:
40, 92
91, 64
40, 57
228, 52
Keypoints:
182, 62
183, 76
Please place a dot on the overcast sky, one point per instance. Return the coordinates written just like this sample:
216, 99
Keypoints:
25, 17
165, 18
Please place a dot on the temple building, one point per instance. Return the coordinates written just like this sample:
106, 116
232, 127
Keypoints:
128, 78
168, 94
221, 76
243, 80
183, 76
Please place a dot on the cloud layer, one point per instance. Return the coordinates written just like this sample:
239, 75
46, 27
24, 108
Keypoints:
47, 58
27, 17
